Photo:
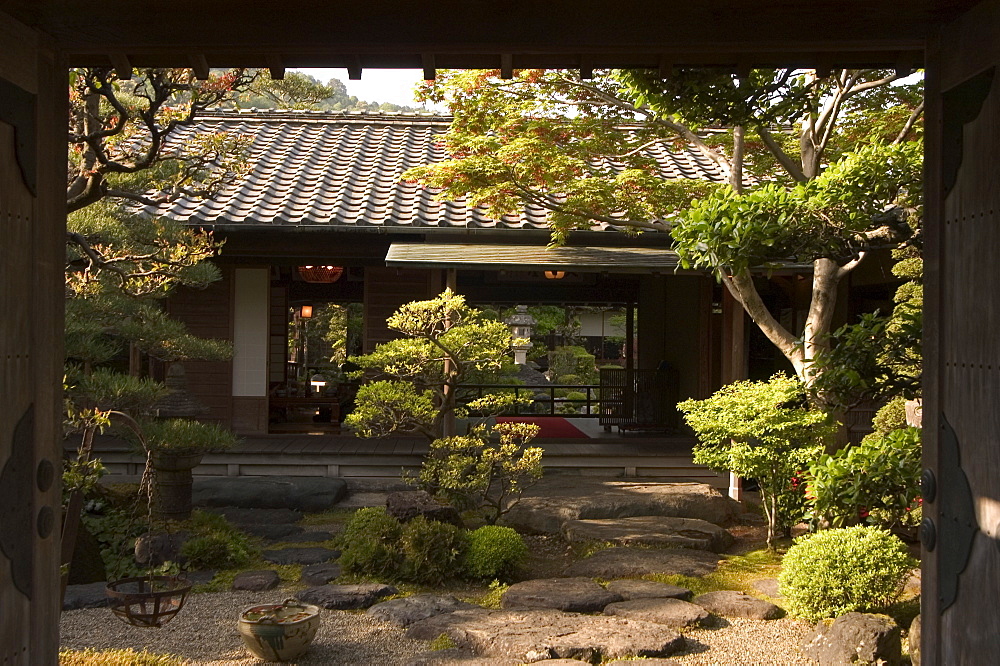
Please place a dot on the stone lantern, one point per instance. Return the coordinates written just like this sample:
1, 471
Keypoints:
521, 326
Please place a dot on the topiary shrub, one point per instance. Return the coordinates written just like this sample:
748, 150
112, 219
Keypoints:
841, 570
370, 543
431, 550
219, 550
493, 552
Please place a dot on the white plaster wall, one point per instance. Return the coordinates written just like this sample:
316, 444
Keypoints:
250, 324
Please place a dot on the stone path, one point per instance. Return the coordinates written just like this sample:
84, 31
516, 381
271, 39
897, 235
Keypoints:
622, 562
663, 531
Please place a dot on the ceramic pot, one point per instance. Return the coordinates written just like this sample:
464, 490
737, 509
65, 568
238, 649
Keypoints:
279, 632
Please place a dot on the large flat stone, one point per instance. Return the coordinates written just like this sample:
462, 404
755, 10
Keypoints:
86, 595
346, 597
256, 581
534, 635
556, 500
404, 612
671, 612
302, 493
577, 595
319, 574
856, 638
729, 603
629, 589
634, 562
244, 517
667, 531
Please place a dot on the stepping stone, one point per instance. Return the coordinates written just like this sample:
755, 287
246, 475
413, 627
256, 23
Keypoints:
256, 581
301, 493
200, 577
404, 612
346, 597
577, 595
769, 586
87, 595
306, 537
320, 574
728, 603
629, 589
650, 531
271, 532
534, 635
671, 612
558, 499
635, 562
406, 505
313, 555
241, 516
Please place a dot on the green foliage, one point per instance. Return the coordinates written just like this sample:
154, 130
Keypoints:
442, 642
879, 356
116, 531
573, 365
219, 549
185, 436
876, 482
493, 596
110, 390
487, 469
494, 552
418, 377
891, 416
842, 570
432, 550
822, 217
116, 657
371, 544
389, 406
764, 431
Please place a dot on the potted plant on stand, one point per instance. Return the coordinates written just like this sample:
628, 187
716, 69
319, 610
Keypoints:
176, 447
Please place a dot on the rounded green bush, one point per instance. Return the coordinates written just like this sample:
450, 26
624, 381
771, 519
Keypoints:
494, 552
431, 550
841, 570
219, 550
370, 543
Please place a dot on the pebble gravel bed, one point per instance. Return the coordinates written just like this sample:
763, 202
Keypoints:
204, 632
741, 642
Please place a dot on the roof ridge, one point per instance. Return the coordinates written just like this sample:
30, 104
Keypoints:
254, 113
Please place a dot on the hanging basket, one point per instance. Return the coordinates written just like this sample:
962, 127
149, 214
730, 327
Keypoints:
321, 274
148, 601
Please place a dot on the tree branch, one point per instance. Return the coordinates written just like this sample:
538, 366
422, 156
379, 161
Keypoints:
794, 170
910, 122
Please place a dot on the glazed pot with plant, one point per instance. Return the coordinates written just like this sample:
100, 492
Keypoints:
176, 447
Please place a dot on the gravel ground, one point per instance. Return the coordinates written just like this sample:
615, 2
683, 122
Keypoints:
739, 642
204, 632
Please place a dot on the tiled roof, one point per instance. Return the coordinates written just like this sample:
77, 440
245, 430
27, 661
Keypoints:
312, 168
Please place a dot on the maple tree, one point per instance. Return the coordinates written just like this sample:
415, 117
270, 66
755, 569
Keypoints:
812, 169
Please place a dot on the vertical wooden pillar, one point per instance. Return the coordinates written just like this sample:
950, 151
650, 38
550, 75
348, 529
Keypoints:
734, 360
32, 218
960, 609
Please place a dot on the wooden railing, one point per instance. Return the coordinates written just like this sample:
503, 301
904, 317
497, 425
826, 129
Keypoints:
545, 402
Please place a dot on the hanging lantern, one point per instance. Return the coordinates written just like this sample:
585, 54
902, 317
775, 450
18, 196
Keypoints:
306, 312
321, 274
555, 275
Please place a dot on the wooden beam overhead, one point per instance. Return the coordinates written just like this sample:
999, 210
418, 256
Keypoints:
122, 65
506, 66
354, 68
430, 70
665, 67
276, 67
586, 67
199, 63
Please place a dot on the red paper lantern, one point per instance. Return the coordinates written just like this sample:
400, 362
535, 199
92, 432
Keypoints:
321, 274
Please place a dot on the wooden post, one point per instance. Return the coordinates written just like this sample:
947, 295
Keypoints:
32, 213
734, 361
448, 427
